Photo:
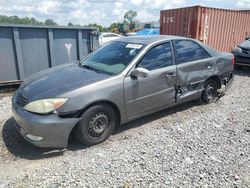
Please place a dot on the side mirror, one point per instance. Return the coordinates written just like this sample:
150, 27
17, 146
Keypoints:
247, 38
139, 72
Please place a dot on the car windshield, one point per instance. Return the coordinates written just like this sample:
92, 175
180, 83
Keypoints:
112, 58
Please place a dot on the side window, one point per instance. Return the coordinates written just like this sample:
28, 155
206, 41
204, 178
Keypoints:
158, 57
187, 51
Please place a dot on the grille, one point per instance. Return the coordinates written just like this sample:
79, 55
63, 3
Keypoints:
21, 100
245, 51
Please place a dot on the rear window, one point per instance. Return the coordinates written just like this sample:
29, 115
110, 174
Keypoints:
187, 51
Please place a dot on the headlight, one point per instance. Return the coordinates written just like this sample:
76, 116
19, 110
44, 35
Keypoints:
237, 49
45, 106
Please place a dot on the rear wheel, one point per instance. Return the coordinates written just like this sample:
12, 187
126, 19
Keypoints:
96, 125
210, 92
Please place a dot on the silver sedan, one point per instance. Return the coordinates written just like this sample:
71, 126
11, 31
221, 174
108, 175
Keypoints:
125, 79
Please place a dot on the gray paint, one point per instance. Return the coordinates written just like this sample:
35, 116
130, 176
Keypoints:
58, 128
8, 67
65, 46
146, 94
80, 44
35, 53
26, 50
18, 53
51, 48
133, 97
86, 43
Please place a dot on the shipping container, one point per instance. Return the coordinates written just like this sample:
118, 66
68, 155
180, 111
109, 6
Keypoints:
26, 50
220, 28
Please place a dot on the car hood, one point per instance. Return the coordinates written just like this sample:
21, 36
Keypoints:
245, 44
57, 80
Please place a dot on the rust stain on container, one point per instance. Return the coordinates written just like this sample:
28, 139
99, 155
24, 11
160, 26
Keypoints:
219, 28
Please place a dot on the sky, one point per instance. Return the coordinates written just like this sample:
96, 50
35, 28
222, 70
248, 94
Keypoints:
103, 12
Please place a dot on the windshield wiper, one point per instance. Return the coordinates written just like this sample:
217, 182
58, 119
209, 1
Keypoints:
89, 67
95, 68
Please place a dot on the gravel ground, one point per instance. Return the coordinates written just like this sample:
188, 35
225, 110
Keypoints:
190, 145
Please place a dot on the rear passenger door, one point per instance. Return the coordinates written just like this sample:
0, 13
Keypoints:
144, 95
194, 65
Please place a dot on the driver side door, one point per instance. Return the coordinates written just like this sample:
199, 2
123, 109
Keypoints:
144, 95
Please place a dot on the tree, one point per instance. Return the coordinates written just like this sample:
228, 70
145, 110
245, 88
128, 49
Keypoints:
129, 18
50, 22
100, 27
70, 24
17, 20
113, 26
33, 21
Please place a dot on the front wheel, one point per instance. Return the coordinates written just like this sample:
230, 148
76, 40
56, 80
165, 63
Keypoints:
96, 125
210, 92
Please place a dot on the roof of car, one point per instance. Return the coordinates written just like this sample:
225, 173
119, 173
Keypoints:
147, 39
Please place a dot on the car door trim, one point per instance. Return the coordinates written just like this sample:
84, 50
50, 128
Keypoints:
146, 96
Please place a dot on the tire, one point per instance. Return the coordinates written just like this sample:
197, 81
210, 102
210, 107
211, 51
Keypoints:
210, 93
96, 125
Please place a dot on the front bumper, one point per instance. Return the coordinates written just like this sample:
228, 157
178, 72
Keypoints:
54, 130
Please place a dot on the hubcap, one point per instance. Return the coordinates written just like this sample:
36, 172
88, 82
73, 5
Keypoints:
98, 124
210, 93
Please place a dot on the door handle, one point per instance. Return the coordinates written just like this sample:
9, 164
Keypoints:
170, 75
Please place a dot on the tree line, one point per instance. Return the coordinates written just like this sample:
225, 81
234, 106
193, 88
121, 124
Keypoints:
25, 20
129, 19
